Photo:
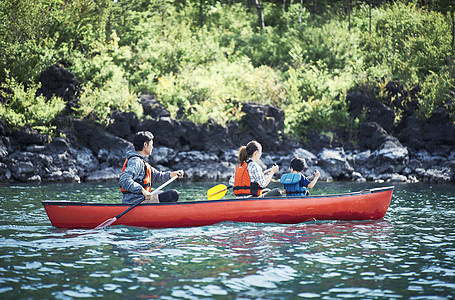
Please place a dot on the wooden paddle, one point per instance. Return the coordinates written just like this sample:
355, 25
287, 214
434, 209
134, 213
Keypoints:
108, 222
218, 191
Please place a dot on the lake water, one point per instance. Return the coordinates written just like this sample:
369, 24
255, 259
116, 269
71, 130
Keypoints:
410, 254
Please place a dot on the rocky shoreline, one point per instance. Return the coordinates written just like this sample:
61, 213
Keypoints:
207, 152
409, 151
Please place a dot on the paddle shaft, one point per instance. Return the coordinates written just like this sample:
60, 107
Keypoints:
140, 201
108, 222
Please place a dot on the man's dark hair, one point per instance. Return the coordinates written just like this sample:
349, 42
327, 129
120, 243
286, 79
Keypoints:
298, 164
140, 138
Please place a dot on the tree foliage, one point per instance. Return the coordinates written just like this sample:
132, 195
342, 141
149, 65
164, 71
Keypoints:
202, 59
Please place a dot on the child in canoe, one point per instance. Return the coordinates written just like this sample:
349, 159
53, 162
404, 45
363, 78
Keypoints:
295, 184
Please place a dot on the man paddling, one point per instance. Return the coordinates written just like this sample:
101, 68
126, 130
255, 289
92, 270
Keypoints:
138, 175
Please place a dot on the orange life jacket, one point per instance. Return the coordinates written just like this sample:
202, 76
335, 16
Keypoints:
242, 182
147, 181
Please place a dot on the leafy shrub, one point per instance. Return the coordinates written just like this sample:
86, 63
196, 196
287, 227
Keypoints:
21, 106
407, 42
437, 90
316, 100
98, 102
207, 92
202, 59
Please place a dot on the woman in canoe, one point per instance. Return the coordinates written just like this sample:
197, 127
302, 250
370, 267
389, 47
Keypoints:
138, 176
249, 179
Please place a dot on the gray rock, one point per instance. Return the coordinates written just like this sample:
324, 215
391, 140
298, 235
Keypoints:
34, 178
269, 160
162, 155
35, 148
23, 170
362, 158
86, 160
70, 176
325, 176
309, 157
356, 176
106, 174
27, 136
434, 175
393, 152
414, 164
334, 162
195, 156
3, 151
210, 171
5, 173
393, 177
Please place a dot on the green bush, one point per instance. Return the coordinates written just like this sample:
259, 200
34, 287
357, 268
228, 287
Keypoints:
203, 59
407, 42
21, 106
438, 90
316, 100
98, 103
208, 92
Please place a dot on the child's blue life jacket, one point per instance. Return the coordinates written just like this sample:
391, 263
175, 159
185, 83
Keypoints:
292, 186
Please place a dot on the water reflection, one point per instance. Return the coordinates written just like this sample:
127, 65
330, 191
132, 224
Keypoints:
408, 254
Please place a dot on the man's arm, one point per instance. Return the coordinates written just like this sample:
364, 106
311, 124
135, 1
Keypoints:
158, 176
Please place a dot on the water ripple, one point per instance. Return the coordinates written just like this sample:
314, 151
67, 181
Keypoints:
409, 254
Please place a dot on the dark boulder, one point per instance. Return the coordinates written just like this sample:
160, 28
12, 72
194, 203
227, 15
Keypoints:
26, 136
167, 132
60, 82
318, 141
438, 132
124, 124
372, 135
153, 107
411, 133
185, 135
57, 146
4, 129
263, 123
108, 148
211, 137
365, 104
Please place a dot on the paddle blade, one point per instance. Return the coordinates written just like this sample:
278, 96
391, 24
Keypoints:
216, 192
106, 223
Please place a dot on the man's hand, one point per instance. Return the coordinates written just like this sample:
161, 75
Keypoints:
178, 173
150, 197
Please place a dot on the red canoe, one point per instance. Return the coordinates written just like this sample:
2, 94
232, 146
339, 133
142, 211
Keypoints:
364, 205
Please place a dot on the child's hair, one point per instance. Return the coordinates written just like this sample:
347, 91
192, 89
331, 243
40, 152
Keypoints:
298, 164
245, 152
140, 138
